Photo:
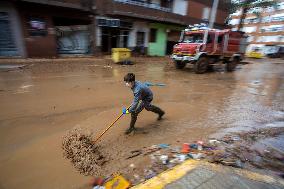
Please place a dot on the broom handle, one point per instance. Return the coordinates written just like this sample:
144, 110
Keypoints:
109, 126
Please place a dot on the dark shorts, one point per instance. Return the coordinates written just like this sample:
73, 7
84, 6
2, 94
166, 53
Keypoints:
141, 105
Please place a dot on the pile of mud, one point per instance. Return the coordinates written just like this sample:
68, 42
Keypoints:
85, 156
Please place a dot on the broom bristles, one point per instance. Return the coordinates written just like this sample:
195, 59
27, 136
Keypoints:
79, 148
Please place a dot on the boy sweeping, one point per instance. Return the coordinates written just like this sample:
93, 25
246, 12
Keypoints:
143, 97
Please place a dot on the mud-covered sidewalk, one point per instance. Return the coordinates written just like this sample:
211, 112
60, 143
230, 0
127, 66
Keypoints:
43, 99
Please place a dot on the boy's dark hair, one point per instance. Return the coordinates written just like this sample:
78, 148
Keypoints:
130, 77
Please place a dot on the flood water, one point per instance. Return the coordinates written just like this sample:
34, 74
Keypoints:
43, 100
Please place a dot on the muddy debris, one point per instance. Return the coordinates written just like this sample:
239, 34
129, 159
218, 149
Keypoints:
234, 149
85, 156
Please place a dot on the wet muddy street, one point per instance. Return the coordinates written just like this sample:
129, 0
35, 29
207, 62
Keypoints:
44, 99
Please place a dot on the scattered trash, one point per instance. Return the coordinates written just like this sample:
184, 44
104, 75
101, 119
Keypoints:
214, 142
118, 181
98, 187
151, 149
97, 182
163, 145
199, 147
193, 146
239, 164
185, 148
149, 174
181, 157
175, 161
234, 150
195, 156
132, 166
164, 159
134, 153
175, 150
136, 176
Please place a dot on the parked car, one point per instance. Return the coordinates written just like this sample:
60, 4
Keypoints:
278, 53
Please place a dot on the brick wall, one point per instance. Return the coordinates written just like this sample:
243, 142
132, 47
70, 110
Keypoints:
195, 10
221, 16
45, 46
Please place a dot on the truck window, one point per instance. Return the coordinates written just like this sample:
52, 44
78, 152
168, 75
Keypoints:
193, 38
209, 39
220, 38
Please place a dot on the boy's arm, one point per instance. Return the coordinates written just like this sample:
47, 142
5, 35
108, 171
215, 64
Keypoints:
135, 102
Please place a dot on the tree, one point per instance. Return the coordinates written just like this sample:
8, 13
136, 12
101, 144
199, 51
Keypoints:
246, 5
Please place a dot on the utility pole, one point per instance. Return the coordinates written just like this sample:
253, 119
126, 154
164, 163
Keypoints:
213, 13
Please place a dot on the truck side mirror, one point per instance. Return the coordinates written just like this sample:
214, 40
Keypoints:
181, 36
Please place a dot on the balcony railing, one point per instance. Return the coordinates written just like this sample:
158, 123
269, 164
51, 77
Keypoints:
147, 5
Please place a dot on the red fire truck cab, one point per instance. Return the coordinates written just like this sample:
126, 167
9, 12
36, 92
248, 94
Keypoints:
204, 47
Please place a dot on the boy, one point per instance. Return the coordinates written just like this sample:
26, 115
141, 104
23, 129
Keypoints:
143, 97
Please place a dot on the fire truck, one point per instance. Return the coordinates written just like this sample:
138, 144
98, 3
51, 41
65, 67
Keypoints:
203, 47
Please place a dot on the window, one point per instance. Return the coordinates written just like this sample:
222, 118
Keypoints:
266, 19
250, 38
269, 9
205, 14
234, 21
278, 19
153, 35
280, 6
37, 26
272, 28
249, 29
140, 38
251, 20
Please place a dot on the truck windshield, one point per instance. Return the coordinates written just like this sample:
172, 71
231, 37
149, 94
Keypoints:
193, 38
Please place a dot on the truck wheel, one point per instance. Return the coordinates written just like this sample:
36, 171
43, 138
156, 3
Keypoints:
201, 65
180, 64
231, 66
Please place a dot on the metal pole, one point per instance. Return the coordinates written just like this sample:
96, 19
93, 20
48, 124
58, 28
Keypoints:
213, 13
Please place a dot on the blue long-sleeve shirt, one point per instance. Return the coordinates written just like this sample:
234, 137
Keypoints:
141, 91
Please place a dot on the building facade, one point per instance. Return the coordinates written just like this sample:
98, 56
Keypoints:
31, 28
150, 26
52, 28
265, 30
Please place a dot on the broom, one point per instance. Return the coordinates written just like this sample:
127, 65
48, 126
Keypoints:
98, 138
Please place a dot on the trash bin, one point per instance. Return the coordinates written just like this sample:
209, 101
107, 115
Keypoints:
120, 54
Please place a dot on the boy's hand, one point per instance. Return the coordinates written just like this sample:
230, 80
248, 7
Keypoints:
125, 111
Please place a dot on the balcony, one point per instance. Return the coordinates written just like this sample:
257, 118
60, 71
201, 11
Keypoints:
141, 9
144, 4
75, 4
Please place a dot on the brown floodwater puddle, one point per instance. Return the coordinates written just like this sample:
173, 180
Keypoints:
42, 101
